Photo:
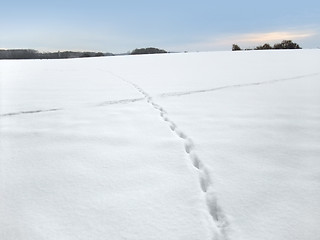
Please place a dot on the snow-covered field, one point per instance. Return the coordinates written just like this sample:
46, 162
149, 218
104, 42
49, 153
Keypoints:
220, 145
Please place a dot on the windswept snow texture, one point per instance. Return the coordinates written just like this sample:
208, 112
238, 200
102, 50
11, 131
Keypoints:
221, 145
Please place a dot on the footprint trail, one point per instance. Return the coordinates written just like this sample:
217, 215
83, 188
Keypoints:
30, 112
216, 216
178, 94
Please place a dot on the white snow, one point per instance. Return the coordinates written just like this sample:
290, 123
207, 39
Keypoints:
220, 145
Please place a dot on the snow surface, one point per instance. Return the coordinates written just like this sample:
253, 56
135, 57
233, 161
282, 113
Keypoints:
220, 145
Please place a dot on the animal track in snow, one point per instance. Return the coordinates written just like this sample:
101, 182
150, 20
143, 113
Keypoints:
121, 101
172, 126
214, 209
205, 182
177, 94
188, 145
102, 104
30, 112
180, 133
195, 160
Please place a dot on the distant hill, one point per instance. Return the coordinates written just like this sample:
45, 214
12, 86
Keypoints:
34, 54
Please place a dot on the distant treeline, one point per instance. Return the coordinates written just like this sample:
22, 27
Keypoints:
34, 54
149, 50
285, 44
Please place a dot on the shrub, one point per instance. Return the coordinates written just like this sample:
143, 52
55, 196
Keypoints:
286, 44
235, 47
263, 47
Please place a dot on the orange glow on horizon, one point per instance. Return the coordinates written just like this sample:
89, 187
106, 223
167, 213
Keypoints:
273, 36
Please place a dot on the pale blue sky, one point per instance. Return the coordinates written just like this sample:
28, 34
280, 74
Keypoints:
121, 25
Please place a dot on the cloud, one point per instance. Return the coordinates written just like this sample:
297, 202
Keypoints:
224, 42
269, 37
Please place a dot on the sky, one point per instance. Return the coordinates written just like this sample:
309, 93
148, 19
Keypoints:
119, 26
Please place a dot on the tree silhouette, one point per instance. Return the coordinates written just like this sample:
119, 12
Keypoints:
263, 47
286, 44
235, 47
150, 50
